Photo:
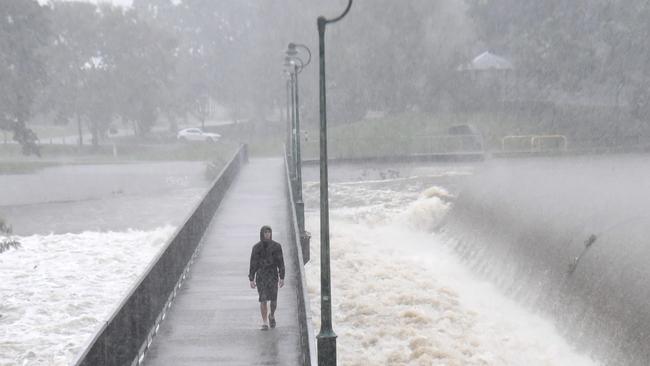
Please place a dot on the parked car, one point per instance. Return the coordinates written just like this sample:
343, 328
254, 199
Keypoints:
196, 134
469, 137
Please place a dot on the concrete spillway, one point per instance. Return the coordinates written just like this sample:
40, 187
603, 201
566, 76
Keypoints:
570, 238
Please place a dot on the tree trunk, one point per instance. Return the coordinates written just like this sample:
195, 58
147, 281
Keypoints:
95, 134
173, 125
81, 138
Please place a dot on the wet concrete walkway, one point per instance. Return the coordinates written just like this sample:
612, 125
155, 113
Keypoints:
215, 319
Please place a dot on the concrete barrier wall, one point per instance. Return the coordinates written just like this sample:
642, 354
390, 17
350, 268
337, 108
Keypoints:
570, 239
125, 336
307, 338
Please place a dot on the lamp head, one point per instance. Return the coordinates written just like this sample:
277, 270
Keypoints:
288, 62
291, 50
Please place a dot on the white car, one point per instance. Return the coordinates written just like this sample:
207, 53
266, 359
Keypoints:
195, 134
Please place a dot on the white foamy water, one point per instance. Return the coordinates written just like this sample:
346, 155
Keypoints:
56, 290
402, 297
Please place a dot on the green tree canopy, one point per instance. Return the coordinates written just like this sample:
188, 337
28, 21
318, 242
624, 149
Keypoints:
24, 31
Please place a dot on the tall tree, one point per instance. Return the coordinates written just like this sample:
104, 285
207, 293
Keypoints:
74, 58
567, 46
396, 56
23, 35
141, 58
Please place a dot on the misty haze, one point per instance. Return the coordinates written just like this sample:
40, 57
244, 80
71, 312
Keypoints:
453, 182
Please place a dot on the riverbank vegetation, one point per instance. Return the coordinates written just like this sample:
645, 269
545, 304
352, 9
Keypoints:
90, 72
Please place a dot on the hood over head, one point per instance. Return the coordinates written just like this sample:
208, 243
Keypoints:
263, 229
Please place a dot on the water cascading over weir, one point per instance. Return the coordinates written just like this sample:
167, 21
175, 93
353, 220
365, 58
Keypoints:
569, 238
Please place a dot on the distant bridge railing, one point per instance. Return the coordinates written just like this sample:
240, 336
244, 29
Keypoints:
304, 314
127, 334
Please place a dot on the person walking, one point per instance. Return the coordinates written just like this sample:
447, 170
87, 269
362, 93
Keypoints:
266, 273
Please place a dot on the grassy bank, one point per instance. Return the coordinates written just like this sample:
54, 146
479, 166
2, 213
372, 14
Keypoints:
419, 133
263, 138
400, 134
23, 167
13, 162
118, 152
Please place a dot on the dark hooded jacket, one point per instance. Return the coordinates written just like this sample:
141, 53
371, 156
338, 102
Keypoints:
267, 263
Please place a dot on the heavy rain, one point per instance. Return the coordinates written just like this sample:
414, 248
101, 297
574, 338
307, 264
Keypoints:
452, 182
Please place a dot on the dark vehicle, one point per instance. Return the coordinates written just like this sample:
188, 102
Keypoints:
469, 137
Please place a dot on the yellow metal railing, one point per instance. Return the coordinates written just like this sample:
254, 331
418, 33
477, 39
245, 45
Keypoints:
534, 143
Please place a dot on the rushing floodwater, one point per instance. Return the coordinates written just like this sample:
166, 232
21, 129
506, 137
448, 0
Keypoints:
87, 233
400, 295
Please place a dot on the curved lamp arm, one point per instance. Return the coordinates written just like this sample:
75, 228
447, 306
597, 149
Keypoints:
294, 45
340, 16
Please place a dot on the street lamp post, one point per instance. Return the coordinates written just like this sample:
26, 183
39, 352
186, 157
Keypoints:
291, 128
326, 339
292, 134
289, 119
294, 151
298, 65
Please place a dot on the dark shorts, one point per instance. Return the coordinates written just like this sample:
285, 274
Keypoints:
268, 290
